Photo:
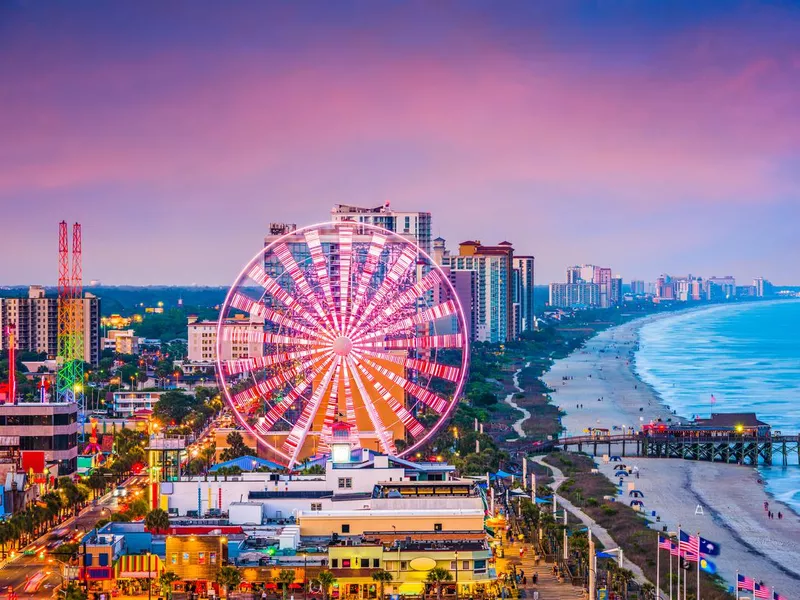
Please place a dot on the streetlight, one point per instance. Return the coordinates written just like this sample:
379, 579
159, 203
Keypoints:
456, 574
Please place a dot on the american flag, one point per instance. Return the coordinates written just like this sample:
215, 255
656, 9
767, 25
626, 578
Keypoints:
777, 596
745, 583
689, 543
664, 543
673, 549
689, 556
762, 591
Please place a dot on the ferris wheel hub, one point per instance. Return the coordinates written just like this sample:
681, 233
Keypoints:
342, 346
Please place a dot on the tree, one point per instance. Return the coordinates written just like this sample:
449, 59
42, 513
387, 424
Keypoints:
286, 578
228, 577
236, 446
648, 591
437, 576
325, 579
74, 592
97, 482
173, 407
166, 580
382, 577
157, 521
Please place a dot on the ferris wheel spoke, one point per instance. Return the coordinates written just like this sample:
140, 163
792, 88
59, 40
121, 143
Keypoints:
409, 421
428, 315
427, 283
261, 389
259, 309
425, 342
384, 436
376, 245
345, 260
297, 436
332, 410
296, 273
430, 399
349, 403
277, 411
404, 262
248, 365
421, 366
321, 268
274, 289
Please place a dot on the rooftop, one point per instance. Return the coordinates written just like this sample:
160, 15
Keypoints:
731, 420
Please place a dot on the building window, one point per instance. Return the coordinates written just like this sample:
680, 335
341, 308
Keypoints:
102, 559
345, 563
334, 563
403, 565
87, 560
376, 563
345, 528
345, 483
316, 506
465, 565
437, 526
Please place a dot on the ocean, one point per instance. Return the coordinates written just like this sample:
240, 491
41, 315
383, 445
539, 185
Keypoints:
747, 356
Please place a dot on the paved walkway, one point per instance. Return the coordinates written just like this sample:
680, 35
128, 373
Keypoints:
597, 531
526, 414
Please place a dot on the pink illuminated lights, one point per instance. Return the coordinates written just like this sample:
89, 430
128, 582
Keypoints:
349, 331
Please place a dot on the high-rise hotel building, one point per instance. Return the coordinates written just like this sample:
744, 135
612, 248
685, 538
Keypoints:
35, 320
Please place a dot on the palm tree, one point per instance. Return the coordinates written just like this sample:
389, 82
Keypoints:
325, 579
438, 576
648, 591
382, 577
624, 576
6, 535
157, 521
166, 580
286, 577
228, 577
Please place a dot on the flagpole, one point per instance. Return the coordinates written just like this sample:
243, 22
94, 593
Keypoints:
670, 569
684, 584
698, 565
658, 567
680, 563
737, 584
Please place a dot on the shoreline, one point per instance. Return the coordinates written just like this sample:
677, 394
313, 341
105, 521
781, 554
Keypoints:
605, 369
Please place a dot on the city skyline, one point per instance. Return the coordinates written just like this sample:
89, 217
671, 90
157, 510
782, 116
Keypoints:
648, 139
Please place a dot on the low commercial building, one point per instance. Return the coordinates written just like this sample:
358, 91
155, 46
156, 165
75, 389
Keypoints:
121, 341
51, 428
126, 403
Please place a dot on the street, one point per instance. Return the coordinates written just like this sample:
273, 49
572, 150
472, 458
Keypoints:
18, 571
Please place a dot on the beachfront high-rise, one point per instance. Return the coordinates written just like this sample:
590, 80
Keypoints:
493, 285
494, 312
587, 286
414, 225
523, 294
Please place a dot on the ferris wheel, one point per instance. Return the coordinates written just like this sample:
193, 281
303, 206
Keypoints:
341, 333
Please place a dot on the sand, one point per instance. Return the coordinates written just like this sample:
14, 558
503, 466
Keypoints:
730, 495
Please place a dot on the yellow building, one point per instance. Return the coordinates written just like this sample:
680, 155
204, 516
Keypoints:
409, 562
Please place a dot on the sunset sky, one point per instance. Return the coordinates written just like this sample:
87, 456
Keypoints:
647, 136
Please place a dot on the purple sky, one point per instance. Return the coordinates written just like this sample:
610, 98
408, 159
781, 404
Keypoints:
660, 139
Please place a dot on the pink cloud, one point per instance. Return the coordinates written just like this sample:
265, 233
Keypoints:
681, 129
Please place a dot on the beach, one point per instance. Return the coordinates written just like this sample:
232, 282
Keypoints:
596, 387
